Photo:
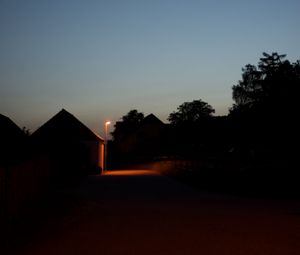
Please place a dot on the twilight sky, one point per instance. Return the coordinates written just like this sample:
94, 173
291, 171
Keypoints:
99, 59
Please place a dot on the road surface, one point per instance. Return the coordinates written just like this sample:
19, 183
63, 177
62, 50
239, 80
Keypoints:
142, 212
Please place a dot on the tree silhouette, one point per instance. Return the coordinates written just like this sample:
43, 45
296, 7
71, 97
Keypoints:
272, 88
26, 131
191, 112
127, 125
266, 107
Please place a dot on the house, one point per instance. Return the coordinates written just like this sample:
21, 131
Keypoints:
73, 147
12, 138
146, 141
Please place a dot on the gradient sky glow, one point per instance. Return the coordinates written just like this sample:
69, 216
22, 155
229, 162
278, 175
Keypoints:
100, 59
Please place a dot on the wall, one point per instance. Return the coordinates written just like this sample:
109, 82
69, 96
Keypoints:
21, 186
96, 153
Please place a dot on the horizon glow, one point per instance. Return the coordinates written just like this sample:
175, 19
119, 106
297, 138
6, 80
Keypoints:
100, 59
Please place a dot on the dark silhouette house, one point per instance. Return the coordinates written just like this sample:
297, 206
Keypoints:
146, 141
73, 147
12, 138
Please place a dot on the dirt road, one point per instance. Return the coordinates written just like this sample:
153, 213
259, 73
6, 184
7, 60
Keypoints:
142, 212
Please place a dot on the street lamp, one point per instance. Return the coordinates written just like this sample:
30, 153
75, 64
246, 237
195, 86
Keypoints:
105, 145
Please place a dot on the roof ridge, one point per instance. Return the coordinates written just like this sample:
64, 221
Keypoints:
63, 117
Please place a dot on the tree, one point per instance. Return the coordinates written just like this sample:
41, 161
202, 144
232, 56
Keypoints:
266, 106
248, 90
26, 131
127, 125
271, 88
191, 112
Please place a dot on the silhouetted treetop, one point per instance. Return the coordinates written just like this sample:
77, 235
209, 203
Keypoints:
270, 63
133, 116
191, 112
128, 124
270, 88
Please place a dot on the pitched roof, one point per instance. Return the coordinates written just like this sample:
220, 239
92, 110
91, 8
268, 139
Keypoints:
151, 119
66, 127
9, 130
12, 140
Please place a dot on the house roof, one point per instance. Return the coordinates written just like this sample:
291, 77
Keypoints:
151, 119
9, 130
12, 140
66, 127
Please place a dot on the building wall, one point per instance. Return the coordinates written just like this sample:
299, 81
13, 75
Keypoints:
96, 151
101, 155
23, 185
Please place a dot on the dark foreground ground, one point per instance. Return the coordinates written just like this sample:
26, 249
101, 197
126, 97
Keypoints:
143, 212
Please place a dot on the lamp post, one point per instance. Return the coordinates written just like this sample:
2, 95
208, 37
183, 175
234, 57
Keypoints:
105, 145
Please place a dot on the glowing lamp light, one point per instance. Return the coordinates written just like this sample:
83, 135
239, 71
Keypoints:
105, 145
